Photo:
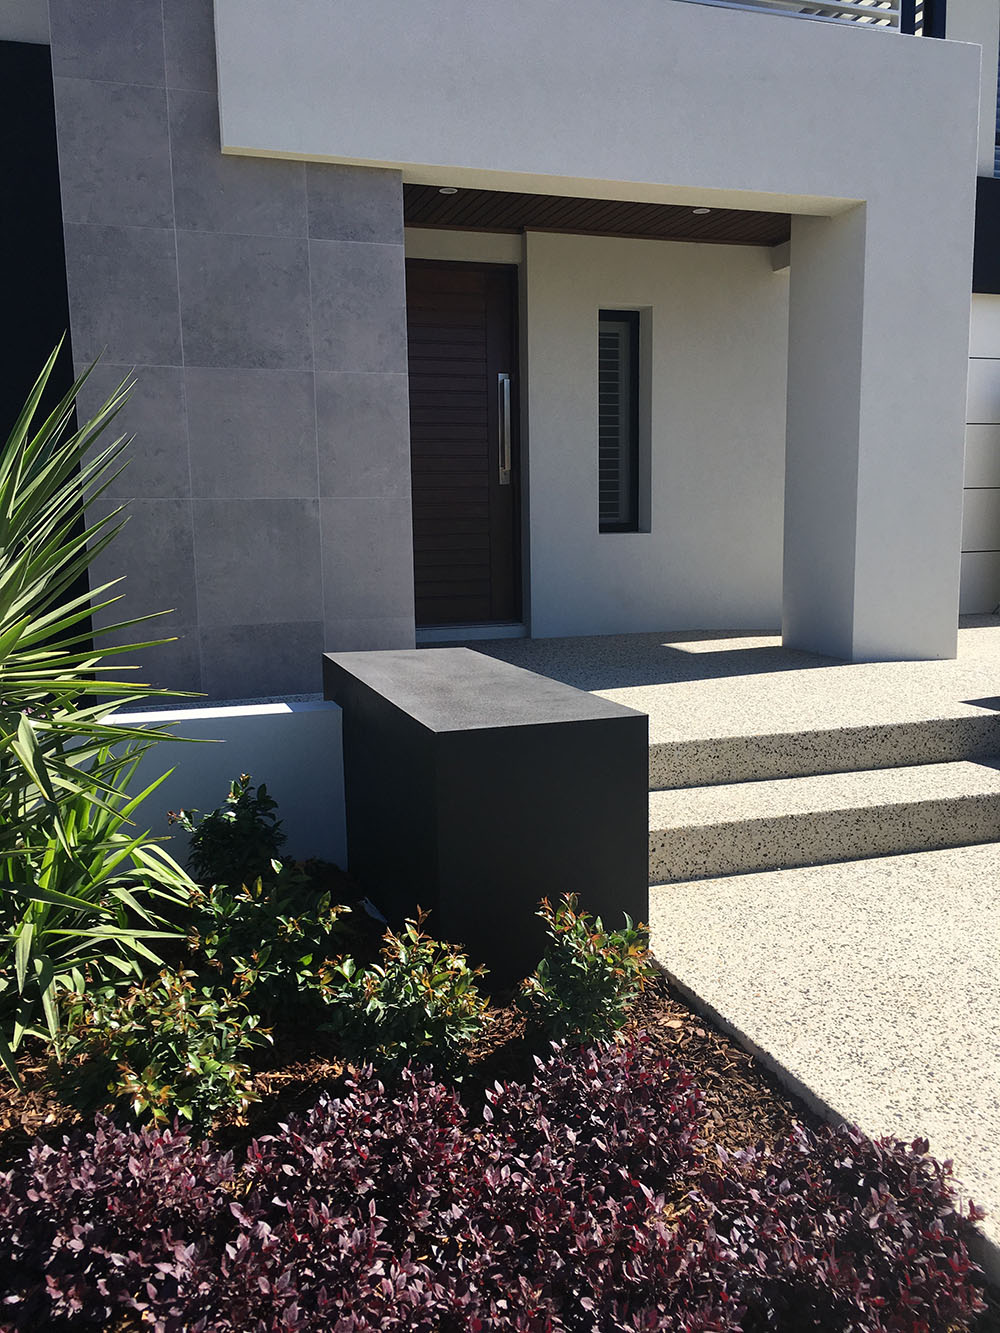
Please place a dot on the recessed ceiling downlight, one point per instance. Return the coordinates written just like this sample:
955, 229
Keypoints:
700, 212
447, 189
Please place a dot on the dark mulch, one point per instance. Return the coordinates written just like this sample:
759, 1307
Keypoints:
746, 1104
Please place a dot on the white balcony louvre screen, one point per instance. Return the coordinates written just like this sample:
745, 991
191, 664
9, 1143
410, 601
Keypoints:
869, 13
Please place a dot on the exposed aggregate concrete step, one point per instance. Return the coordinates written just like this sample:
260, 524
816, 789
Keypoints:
716, 760
702, 832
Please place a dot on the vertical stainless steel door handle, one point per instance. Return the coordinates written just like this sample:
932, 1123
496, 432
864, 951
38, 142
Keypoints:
503, 417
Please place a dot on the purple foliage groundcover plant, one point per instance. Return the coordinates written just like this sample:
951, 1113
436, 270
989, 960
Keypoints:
585, 1202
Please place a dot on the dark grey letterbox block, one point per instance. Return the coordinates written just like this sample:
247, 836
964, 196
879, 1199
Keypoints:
475, 788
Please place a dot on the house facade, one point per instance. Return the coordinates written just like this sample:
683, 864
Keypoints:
551, 319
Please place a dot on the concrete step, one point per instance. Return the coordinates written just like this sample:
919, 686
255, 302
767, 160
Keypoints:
719, 759
698, 833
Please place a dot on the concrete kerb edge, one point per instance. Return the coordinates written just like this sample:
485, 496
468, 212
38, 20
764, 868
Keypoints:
984, 1250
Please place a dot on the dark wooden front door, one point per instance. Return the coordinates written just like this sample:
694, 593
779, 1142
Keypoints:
462, 329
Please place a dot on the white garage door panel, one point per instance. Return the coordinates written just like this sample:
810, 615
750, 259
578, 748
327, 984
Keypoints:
984, 391
980, 583
982, 455
984, 330
981, 521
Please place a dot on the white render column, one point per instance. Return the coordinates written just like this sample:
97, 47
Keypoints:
878, 345
978, 21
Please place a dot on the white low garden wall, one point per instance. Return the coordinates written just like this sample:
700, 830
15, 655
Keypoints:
295, 748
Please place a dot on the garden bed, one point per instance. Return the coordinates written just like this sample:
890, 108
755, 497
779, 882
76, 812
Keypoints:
747, 1106
744, 1106
304, 1121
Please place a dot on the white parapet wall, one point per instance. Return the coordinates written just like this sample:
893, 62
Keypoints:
711, 103
295, 748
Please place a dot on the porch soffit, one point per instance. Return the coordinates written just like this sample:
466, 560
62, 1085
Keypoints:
504, 211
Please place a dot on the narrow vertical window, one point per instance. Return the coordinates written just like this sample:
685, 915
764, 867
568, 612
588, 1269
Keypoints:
618, 420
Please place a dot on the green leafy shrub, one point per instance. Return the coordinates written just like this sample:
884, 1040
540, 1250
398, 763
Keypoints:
588, 976
420, 1002
165, 1047
77, 891
267, 940
89, 906
237, 842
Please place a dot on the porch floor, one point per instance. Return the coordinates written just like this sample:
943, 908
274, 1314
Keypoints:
872, 987
698, 687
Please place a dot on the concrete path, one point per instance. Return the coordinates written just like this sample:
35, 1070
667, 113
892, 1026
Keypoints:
871, 987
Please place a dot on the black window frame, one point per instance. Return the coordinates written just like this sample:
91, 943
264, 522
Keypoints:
629, 523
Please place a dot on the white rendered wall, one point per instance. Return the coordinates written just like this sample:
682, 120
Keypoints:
294, 748
981, 529
717, 316
826, 301
979, 21
876, 409
718, 99
471, 247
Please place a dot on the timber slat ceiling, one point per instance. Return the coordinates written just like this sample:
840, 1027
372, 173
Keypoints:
498, 210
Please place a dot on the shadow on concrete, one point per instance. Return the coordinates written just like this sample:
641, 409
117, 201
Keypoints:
622, 661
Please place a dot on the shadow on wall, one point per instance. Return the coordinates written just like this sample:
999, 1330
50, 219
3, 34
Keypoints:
295, 748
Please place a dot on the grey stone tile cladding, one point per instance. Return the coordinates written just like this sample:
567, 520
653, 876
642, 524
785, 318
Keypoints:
367, 559
363, 427
123, 294
26, 21
254, 660
358, 636
114, 153
197, 268
252, 432
355, 204
116, 40
258, 561
171, 665
189, 41
155, 553
244, 301
359, 312
154, 415
254, 196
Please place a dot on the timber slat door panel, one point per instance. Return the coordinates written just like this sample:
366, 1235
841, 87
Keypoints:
461, 327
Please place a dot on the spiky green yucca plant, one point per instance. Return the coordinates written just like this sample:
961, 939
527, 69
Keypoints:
79, 892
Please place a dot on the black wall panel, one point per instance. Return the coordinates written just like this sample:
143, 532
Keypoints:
986, 264
35, 309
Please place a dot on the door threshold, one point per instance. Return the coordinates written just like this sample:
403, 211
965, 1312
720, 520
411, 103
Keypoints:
504, 629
